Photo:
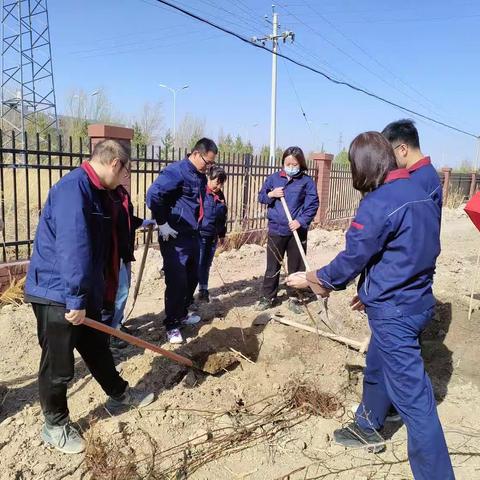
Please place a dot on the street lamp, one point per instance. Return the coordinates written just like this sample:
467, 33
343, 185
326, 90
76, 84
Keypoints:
174, 92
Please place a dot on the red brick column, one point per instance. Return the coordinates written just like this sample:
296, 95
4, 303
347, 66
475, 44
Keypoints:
99, 132
447, 171
12, 271
323, 162
473, 184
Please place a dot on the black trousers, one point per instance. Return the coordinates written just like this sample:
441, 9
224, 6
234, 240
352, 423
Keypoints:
58, 338
277, 246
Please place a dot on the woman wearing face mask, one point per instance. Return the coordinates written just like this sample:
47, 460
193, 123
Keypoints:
300, 193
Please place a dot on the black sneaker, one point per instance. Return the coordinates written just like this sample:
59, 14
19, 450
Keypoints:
353, 436
203, 296
264, 304
126, 329
117, 343
295, 306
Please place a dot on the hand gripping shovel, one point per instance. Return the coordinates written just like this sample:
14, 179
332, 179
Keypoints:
212, 363
322, 301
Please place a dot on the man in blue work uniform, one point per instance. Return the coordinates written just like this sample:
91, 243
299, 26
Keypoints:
403, 136
176, 200
73, 273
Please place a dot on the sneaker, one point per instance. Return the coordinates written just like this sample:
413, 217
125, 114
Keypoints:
203, 296
353, 436
65, 438
174, 336
295, 306
117, 343
392, 415
125, 329
191, 319
264, 304
129, 399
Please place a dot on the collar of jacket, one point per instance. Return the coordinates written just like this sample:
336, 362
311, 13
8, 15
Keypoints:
192, 167
216, 198
423, 162
92, 176
284, 175
397, 175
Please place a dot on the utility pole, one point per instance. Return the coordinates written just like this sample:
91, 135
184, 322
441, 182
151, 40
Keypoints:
274, 37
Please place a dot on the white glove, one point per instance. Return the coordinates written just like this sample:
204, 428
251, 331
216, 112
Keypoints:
166, 231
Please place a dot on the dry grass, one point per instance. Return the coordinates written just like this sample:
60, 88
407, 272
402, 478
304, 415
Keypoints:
13, 295
308, 398
455, 198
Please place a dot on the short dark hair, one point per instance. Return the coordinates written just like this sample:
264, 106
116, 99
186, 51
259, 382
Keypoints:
371, 157
205, 145
107, 150
402, 131
217, 172
296, 152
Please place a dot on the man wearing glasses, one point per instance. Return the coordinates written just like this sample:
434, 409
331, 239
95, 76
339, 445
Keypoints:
176, 201
403, 137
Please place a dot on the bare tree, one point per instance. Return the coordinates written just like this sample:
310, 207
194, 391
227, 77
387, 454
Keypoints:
149, 124
189, 131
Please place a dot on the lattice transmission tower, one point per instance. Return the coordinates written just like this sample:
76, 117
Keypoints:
27, 85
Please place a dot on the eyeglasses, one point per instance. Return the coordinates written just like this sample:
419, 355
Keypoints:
207, 163
399, 145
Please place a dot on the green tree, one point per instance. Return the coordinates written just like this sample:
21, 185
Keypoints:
342, 158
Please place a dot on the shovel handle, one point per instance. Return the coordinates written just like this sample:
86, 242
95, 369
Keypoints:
138, 342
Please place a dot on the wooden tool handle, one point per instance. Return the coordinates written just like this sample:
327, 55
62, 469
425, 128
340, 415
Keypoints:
138, 342
148, 240
295, 233
360, 346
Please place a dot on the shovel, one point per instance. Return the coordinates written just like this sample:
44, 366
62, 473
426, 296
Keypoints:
322, 301
148, 240
212, 364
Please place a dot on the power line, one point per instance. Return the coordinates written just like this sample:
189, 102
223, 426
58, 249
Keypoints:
319, 72
365, 52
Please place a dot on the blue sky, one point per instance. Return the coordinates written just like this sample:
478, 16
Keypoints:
423, 55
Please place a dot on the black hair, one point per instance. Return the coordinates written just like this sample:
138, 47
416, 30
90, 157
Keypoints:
296, 152
217, 172
371, 158
402, 131
205, 145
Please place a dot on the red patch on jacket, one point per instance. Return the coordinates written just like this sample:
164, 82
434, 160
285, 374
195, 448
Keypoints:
357, 225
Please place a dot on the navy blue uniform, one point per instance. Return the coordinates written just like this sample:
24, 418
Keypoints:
393, 244
177, 197
300, 193
423, 173
212, 227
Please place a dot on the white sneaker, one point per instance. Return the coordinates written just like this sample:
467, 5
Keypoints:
191, 319
174, 336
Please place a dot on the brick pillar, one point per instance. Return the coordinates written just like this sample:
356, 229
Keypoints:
473, 184
100, 131
447, 171
323, 163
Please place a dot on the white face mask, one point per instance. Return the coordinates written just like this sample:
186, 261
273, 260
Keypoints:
292, 171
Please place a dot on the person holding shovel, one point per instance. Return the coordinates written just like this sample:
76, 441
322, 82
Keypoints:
300, 193
73, 272
392, 243
176, 200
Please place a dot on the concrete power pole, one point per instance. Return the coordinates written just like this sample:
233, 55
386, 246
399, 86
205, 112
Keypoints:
274, 37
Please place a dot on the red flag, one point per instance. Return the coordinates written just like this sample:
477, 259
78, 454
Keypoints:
473, 209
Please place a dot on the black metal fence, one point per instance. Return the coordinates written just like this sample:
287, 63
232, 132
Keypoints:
27, 174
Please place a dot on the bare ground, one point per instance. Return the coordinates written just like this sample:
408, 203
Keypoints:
247, 423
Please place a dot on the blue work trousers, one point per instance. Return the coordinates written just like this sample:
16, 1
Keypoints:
395, 374
208, 245
180, 264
